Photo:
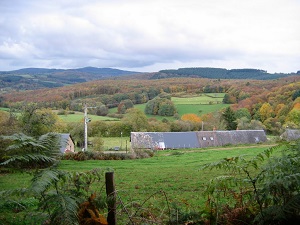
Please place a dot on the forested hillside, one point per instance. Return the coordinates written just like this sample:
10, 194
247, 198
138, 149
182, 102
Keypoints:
37, 78
219, 73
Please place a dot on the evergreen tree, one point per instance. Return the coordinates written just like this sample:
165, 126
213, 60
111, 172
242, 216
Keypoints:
230, 119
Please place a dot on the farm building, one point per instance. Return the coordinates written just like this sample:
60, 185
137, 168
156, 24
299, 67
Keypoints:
198, 139
291, 134
66, 143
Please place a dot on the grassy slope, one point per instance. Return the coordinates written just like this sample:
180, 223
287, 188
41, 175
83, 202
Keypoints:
176, 174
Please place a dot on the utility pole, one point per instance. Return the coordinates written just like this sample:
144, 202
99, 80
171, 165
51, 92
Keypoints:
86, 121
121, 140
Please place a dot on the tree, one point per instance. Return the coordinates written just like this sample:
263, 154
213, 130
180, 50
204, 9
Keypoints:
124, 105
77, 132
296, 94
102, 110
166, 108
36, 122
245, 124
243, 112
266, 111
228, 99
160, 106
136, 119
191, 117
294, 117
230, 119
272, 125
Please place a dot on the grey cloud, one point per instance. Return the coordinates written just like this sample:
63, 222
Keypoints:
139, 34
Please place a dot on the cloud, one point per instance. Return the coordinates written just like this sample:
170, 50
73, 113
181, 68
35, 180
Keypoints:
148, 35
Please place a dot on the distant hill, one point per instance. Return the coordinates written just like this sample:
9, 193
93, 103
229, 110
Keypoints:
37, 78
219, 73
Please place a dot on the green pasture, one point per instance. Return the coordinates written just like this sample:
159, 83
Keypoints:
78, 116
199, 109
213, 98
175, 172
4, 109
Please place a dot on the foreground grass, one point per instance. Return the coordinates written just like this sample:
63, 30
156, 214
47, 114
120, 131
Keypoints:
176, 173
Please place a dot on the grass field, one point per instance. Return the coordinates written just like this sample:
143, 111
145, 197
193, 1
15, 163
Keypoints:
78, 116
175, 172
213, 98
198, 105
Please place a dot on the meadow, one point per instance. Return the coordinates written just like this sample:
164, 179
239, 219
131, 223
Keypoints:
170, 177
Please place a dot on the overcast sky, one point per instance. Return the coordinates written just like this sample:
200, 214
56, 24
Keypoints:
150, 35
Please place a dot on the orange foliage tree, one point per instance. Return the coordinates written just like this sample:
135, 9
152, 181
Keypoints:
191, 117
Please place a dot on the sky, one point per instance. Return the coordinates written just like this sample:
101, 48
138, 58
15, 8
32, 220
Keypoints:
150, 35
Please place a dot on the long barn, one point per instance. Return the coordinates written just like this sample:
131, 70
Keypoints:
197, 139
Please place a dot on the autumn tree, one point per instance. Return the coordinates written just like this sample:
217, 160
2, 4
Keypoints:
124, 105
266, 111
191, 117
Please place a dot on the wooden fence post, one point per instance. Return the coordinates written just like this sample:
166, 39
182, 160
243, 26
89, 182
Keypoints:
111, 198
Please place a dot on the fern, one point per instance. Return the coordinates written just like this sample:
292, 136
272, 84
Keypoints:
63, 209
271, 182
44, 179
29, 152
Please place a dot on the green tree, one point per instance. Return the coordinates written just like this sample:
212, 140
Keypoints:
166, 108
102, 110
160, 106
136, 119
294, 117
36, 122
77, 132
230, 119
296, 94
228, 99
243, 112
152, 107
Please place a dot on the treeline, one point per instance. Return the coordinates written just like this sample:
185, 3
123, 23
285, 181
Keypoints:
219, 73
